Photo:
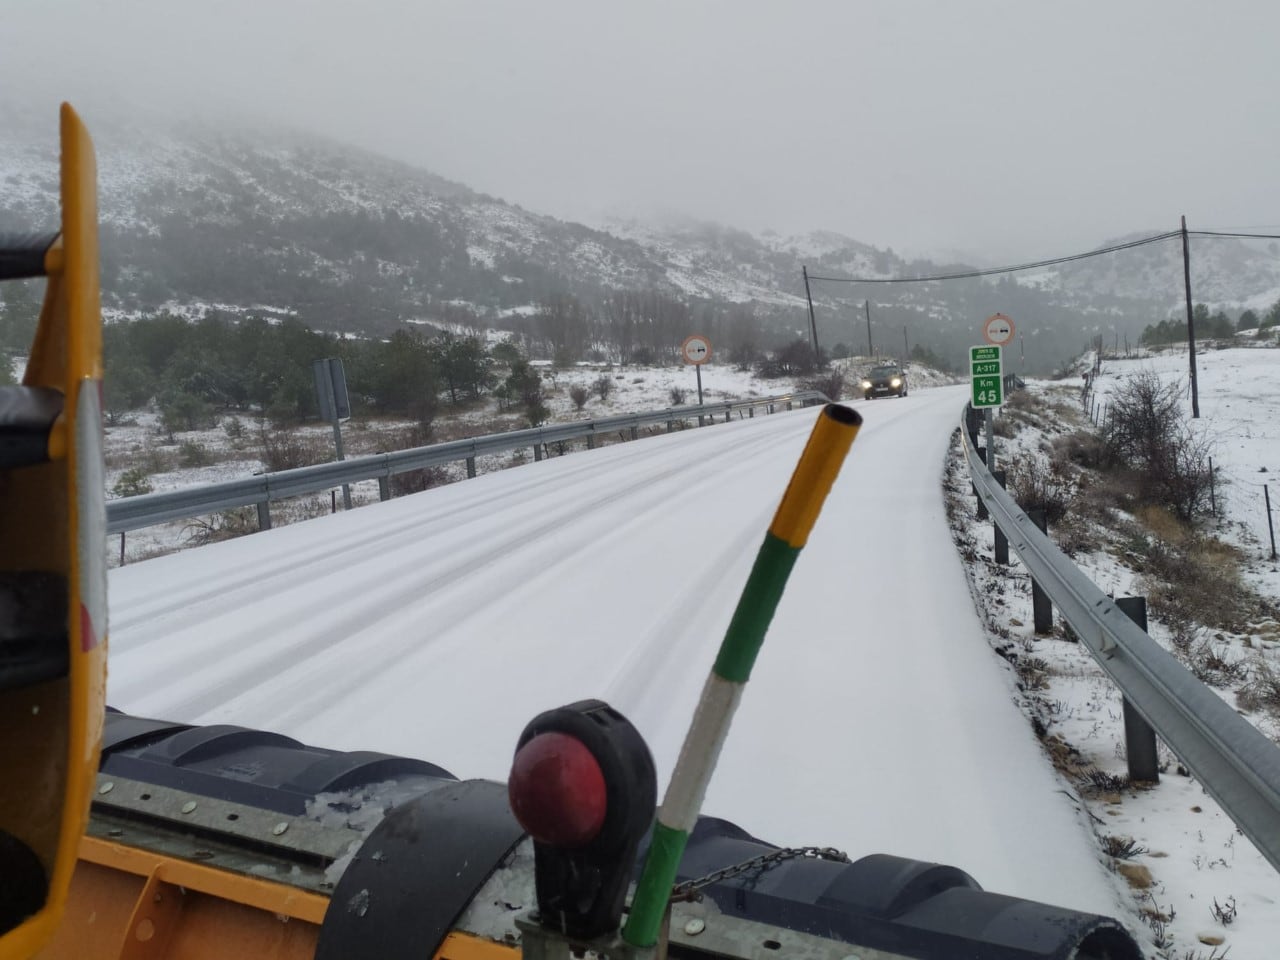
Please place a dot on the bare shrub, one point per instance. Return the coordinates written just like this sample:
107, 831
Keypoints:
1214, 667
226, 525
1224, 913
1077, 532
1035, 484
603, 386
578, 394
1147, 432
1094, 781
1122, 848
677, 396
1081, 448
1262, 690
831, 384
1033, 672
285, 449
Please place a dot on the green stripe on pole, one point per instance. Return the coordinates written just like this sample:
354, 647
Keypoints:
755, 610
653, 892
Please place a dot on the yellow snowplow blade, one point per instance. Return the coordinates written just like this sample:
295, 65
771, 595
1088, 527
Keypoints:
52, 565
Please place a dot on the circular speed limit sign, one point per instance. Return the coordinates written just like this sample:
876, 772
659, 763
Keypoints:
696, 349
998, 329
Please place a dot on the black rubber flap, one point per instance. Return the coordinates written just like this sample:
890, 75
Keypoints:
22, 254
417, 871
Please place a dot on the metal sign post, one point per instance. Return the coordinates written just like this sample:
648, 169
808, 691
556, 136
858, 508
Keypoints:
335, 406
697, 351
986, 366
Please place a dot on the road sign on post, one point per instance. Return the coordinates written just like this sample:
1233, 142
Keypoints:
998, 330
697, 351
987, 369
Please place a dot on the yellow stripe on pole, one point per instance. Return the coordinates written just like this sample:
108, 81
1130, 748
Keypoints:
815, 473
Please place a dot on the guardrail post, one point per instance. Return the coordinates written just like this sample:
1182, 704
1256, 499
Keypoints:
471, 468
1139, 738
537, 452
384, 488
751, 413
264, 515
1002, 542
591, 441
635, 433
982, 507
789, 406
728, 415
1041, 608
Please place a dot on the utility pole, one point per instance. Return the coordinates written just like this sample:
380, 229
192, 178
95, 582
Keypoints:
1191, 324
870, 349
906, 352
813, 323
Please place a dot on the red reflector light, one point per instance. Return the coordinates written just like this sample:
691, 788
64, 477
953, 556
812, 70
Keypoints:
557, 790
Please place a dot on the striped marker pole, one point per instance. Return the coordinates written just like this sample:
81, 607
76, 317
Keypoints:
788, 533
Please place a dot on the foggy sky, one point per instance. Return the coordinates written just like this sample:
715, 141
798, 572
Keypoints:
1003, 130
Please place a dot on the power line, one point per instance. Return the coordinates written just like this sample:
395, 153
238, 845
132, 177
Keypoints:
1250, 226
1217, 233
1011, 269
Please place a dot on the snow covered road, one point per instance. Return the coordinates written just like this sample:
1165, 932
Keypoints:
877, 719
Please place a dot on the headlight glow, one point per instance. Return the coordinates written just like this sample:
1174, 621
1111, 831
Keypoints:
895, 382
866, 384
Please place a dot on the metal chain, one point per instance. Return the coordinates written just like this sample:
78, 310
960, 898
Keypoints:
690, 890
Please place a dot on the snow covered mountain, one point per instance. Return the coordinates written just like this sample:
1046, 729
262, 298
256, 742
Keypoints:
260, 220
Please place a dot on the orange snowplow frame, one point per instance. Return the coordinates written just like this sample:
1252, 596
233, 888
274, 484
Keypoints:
132, 904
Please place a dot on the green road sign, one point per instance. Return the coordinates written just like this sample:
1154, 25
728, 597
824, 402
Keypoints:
978, 354
986, 367
987, 392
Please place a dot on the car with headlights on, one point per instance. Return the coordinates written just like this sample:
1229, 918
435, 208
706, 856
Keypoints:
885, 380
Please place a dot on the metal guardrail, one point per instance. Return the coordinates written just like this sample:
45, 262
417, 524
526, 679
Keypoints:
133, 513
1236, 764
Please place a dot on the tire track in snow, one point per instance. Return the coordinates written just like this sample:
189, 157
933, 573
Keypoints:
643, 494
250, 667
376, 534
